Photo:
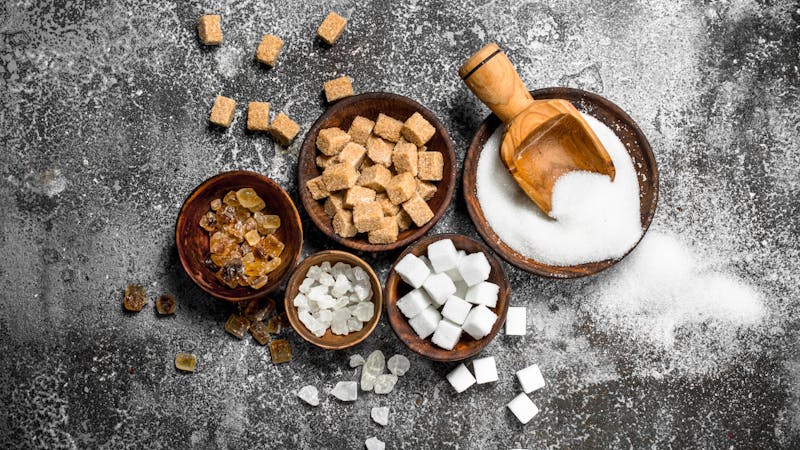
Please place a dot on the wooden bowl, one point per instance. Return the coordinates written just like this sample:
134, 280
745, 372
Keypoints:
628, 132
330, 341
341, 114
467, 346
192, 241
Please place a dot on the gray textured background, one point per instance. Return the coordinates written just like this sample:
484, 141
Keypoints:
103, 119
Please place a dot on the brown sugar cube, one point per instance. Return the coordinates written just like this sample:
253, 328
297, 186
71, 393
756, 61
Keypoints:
357, 195
324, 161
388, 128
379, 151
374, 177
353, 154
418, 130
389, 208
339, 176
331, 28
284, 129
401, 187
403, 220
386, 233
360, 130
331, 141
338, 88
343, 224
258, 116
425, 189
367, 216
269, 49
222, 111
418, 210
208, 29
334, 203
404, 157
430, 166
367, 163
317, 188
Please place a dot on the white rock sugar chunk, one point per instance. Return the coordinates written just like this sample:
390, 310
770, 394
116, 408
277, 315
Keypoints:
363, 292
384, 383
346, 391
446, 335
372, 368
325, 266
456, 309
339, 268
413, 303
439, 286
309, 394
412, 270
480, 321
306, 285
364, 311
443, 255
380, 414
523, 408
516, 321
313, 273
460, 378
374, 443
485, 370
356, 360
398, 365
483, 293
474, 268
326, 279
530, 378
340, 286
425, 323
300, 301
353, 324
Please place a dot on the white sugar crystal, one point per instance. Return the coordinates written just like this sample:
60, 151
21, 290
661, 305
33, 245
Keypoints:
439, 286
425, 323
341, 315
306, 285
485, 369
326, 279
516, 321
398, 365
341, 302
339, 268
480, 321
380, 414
325, 302
353, 324
412, 270
443, 255
309, 394
346, 391
359, 274
307, 319
300, 301
363, 293
474, 268
340, 328
313, 273
364, 311
456, 309
325, 266
523, 408
446, 335
317, 292
312, 305
461, 289
384, 383
372, 368
325, 316
530, 378
374, 443
356, 360
413, 303
483, 293
340, 286
460, 378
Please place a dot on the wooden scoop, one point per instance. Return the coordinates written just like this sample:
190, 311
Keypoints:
544, 138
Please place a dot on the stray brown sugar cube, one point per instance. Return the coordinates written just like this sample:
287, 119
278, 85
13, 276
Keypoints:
352, 154
388, 128
386, 233
280, 350
222, 111
357, 195
375, 177
418, 130
258, 116
430, 166
379, 151
334, 203
339, 177
209, 30
338, 88
404, 157
401, 187
343, 224
331, 28
283, 129
269, 49
361, 129
367, 216
418, 210
331, 141
316, 186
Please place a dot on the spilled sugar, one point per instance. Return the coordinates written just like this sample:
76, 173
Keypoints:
595, 219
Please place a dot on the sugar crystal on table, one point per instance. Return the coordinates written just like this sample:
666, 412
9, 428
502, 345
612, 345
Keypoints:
530, 378
372, 368
460, 378
523, 408
483, 293
380, 414
516, 321
412, 270
237, 325
135, 298
425, 323
474, 268
166, 304
439, 287
413, 303
280, 351
446, 335
356, 361
384, 383
309, 394
398, 365
346, 391
456, 309
185, 362
485, 369
479, 322
259, 332
443, 255
374, 443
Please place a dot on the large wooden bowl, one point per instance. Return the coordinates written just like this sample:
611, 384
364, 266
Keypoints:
192, 241
330, 341
467, 346
341, 114
628, 132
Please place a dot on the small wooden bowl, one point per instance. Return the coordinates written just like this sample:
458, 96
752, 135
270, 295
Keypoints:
192, 241
368, 105
467, 346
610, 115
330, 341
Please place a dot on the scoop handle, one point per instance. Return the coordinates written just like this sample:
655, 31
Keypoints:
490, 75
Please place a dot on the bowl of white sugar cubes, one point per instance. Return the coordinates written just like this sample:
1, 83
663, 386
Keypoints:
447, 297
333, 299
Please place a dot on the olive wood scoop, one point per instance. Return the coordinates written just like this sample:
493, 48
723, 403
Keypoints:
544, 139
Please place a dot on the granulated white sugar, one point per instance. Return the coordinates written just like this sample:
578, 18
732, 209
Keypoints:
593, 219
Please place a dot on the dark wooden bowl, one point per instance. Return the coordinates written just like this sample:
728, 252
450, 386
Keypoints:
628, 132
330, 341
192, 241
341, 114
467, 346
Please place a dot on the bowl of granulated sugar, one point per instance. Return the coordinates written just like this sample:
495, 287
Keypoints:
594, 222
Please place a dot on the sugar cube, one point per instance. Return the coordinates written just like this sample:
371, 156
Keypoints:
515, 321
269, 49
461, 289
417, 209
430, 166
413, 303
283, 129
417, 130
360, 129
425, 323
412, 270
443, 255
523, 408
453, 273
439, 286
485, 369
474, 268
222, 112
331, 28
338, 88
460, 378
387, 127
209, 30
446, 335
479, 322
258, 116
483, 293
456, 309
530, 378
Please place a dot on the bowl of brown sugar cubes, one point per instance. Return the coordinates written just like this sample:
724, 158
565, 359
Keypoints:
376, 171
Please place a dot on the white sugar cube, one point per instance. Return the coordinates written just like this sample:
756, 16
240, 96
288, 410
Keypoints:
427, 262
412, 270
453, 273
479, 322
530, 378
439, 286
515, 321
443, 255
474, 268
460, 378
483, 293
523, 408
485, 370
456, 309
413, 303
446, 335
425, 323
461, 289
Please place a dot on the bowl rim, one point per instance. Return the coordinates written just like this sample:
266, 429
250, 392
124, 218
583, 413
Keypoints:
309, 144
469, 182
184, 257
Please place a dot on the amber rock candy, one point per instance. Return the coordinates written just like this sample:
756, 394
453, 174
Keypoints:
274, 325
186, 362
237, 325
135, 298
259, 332
166, 304
258, 309
280, 350
209, 222
248, 198
259, 282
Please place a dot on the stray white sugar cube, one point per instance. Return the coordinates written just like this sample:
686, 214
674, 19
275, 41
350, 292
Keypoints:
485, 370
460, 378
530, 378
479, 322
523, 408
516, 321
443, 255
374, 443
439, 286
413, 303
412, 270
346, 391
380, 414
425, 323
309, 394
456, 309
483, 293
474, 268
446, 335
